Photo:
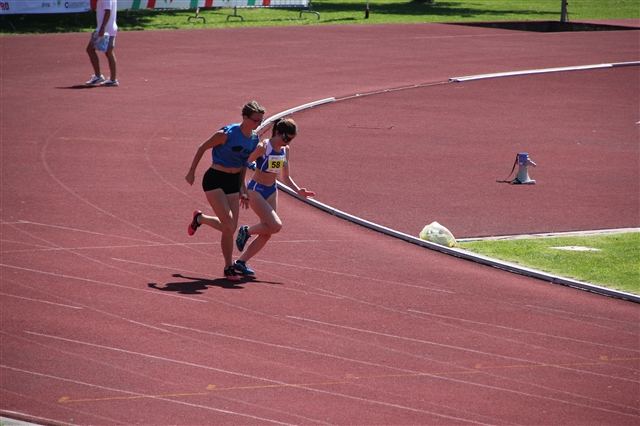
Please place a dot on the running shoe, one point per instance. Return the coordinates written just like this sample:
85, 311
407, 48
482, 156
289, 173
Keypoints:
242, 267
95, 80
230, 274
110, 83
243, 237
194, 223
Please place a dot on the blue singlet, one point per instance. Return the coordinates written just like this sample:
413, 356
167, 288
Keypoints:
236, 150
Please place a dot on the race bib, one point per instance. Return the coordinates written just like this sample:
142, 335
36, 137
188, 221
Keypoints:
276, 163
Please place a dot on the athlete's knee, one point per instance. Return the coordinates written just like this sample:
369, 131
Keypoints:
228, 229
275, 226
228, 225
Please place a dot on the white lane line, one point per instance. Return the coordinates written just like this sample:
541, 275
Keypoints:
250, 282
154, 378
359, 399
459, 348
133, 246
431, 375
126, 392
399, 371
155, 357
39, 301
100, 262
599, 318
98, 282
143, 263
361, 277
67, 228
291, 348
520, 330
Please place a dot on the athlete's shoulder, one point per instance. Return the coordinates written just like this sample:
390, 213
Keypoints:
230, 128
263, 144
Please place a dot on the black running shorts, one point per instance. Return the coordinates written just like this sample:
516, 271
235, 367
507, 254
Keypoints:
214, 179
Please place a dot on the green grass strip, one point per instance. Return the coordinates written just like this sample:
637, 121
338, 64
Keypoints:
615, 265
335, 12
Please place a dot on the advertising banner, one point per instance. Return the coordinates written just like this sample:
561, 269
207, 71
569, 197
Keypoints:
17, 7
192, 4
78, 6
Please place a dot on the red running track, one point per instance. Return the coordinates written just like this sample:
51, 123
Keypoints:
405, 158
111, 314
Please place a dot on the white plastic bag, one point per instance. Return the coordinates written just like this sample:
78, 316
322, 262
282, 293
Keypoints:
102, 43
438, 234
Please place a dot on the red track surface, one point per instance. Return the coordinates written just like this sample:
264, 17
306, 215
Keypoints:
112, 315
406, 158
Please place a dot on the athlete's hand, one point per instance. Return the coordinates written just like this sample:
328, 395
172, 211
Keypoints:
244, 201
304, 193
190, 177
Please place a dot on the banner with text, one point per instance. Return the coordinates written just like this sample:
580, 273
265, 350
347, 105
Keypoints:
192, 4
77, 6
44, 6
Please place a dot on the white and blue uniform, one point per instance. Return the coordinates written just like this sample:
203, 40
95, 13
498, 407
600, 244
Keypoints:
271, 162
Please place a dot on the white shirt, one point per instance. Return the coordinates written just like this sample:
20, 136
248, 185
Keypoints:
111, 27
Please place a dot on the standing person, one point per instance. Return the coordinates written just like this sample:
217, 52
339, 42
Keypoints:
106, 11
224, 182
271, 157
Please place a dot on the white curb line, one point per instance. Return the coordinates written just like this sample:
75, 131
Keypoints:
507, 266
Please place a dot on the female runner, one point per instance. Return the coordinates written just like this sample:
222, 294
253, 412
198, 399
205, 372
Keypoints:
271, 157
224, 182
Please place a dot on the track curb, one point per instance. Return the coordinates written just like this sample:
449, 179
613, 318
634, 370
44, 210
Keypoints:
457, 252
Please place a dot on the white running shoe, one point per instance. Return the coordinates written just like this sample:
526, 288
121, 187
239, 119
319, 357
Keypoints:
110, 83
96, 79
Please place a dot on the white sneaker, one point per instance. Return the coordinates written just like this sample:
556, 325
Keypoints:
110, 83
96, 79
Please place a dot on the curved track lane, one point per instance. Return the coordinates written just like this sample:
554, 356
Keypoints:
111, 314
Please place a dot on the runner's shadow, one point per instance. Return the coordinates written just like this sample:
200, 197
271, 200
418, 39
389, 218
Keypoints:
78, 86
198, 285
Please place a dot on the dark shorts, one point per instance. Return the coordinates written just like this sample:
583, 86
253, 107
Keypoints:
215, 179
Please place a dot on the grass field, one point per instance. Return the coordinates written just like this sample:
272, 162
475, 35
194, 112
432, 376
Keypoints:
611, 261
338, 12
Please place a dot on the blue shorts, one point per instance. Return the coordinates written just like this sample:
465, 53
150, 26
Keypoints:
265, 191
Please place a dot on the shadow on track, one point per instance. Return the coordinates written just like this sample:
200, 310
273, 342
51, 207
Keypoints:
198, 285
78, 86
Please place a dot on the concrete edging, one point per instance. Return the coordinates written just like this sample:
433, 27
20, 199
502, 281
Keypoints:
457, 252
